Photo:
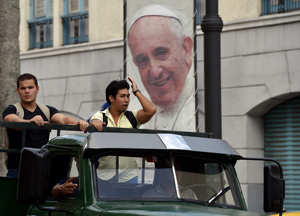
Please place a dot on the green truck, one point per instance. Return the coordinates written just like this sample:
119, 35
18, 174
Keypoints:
170, 173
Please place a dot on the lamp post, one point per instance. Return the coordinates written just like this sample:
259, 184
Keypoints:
212, 25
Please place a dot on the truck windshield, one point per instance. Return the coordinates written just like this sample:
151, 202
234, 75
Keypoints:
167, 176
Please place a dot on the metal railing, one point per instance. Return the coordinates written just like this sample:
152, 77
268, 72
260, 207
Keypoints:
26, 126
60, 127
279, 6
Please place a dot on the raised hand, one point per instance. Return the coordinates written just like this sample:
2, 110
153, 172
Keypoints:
134, 85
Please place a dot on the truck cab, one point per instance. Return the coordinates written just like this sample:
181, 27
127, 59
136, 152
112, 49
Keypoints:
137, 172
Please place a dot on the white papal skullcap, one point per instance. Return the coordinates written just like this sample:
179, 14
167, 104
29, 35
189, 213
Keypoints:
153, 10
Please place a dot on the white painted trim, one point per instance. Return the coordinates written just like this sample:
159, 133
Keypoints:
84, 47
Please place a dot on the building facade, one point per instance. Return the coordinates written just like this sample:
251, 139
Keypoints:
75, 47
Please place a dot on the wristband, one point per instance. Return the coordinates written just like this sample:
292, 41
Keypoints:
136, 91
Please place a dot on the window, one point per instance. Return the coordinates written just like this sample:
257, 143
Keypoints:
200, 7
62, 168
150, 176
279, 6
75, 21
41, 24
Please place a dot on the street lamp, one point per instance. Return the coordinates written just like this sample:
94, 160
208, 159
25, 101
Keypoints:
212, 25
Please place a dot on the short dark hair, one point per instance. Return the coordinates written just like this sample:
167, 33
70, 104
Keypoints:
26, 76
113, 88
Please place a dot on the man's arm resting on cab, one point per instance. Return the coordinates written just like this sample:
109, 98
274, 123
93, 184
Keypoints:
62, 119
38, 120
15, 118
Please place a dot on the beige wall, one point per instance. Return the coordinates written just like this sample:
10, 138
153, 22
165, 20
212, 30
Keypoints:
24, 30
105, 20
58, 11
237, 10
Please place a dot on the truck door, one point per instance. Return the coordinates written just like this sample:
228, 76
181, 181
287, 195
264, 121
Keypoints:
8, 199
64, 169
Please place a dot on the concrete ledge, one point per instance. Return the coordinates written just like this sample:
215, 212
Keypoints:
263, 21
84, 47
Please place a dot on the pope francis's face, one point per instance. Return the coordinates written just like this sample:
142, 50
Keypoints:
163, 59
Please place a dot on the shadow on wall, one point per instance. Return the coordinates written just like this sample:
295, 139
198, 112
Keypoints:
261, 109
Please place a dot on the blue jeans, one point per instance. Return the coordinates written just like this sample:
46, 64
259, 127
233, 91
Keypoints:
12, 173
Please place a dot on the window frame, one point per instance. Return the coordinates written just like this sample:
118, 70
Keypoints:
198, 16
72, 155
287, 6
237, 196
46, 20
69, 16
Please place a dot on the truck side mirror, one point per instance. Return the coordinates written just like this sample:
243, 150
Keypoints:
33, 175
274, 189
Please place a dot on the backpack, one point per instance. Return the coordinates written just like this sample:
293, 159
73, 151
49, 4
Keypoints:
129, 115
20, 111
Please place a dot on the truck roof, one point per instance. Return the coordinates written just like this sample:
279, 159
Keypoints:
147, 139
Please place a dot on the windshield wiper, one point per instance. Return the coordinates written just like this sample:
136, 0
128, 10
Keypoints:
217, 196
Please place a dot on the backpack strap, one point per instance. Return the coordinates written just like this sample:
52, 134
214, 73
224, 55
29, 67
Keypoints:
131, 118
45, 110
20, 111
129, 115
104, 119
6, 145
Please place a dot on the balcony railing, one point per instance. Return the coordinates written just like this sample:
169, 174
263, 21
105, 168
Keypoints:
279, 6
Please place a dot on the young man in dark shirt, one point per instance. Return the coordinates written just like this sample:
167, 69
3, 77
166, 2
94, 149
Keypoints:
27, 89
